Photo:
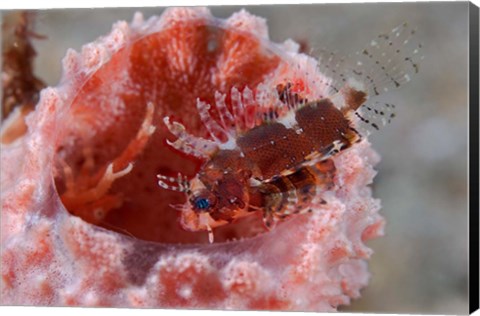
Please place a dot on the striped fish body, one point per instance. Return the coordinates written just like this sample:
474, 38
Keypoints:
288, 162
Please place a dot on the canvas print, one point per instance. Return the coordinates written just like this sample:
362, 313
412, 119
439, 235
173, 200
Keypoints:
268, 157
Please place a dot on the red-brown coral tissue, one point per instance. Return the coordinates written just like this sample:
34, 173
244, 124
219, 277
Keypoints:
84, 222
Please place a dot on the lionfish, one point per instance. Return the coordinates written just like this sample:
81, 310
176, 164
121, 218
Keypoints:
277, 159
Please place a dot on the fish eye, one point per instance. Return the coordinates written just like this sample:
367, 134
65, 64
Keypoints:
202, 203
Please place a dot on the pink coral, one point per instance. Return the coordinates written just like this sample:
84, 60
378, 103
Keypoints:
84, 175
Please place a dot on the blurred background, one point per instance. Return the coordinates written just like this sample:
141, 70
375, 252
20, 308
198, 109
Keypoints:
421, 265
